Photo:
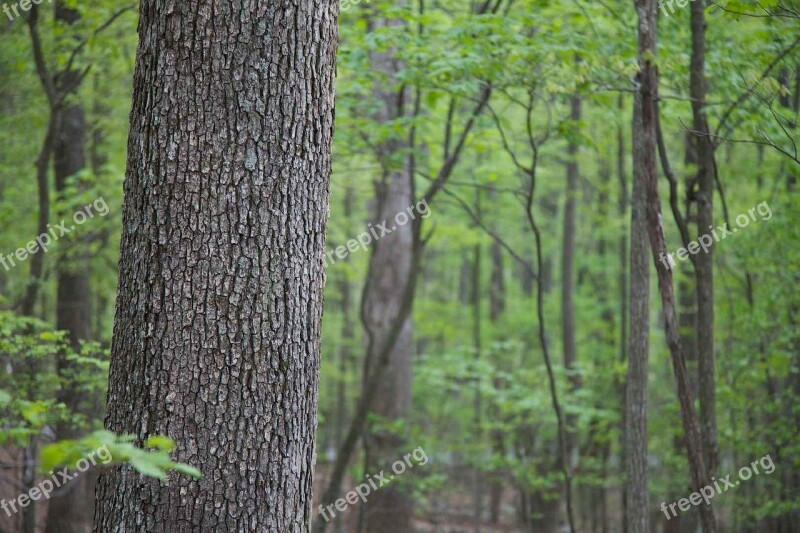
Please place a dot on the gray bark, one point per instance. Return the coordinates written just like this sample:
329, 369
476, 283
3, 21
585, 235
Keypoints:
638, 507
217, 330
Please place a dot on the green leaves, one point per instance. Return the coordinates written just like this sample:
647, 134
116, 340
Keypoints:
153, 460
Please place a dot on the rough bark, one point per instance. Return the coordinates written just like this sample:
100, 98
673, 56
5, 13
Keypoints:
217, 330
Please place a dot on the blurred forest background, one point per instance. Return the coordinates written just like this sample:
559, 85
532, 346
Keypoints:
496, 331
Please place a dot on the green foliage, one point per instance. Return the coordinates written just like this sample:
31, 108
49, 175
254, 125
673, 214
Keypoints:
154, 462
536, 55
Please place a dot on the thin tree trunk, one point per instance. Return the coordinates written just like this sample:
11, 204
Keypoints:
567, 279
497, 305
622, 210
638, 502
477, 487
28, 479
28, 301
373, 382
703, 262
72, 510
346, 350
646, 106
217, 331
563, 459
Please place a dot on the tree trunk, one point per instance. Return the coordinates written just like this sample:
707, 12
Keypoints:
703, 262
622, 210
346, 357
567, 279
638, 503
477, 479
71, 511
389, 509
217, 330
497, 305
27, 302
647, 96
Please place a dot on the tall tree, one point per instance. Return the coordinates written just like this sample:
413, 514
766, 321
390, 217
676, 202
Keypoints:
647, 109
216, 338
390, 269
568, 275
71, 511
622, 210
703, 262
637, 505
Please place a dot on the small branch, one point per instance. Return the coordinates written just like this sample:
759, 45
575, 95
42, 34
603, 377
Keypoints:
97, 30
447, 168
673, 183
726, 115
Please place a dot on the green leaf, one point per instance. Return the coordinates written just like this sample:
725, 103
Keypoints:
162, 443
188, 470
144, 466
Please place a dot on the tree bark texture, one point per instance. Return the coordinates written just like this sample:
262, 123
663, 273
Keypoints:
637, 506
217, 329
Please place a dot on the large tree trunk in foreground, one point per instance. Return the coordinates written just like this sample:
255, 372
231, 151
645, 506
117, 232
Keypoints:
217, 331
